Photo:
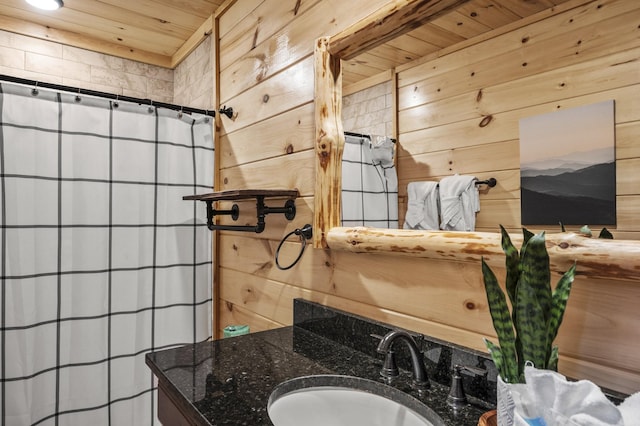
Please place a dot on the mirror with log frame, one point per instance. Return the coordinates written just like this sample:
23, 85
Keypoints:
598, 258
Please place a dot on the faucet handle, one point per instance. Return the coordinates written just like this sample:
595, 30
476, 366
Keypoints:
457, 396
476, 371
390, 368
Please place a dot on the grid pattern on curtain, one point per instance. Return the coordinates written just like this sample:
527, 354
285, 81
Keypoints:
101, 260
369, 183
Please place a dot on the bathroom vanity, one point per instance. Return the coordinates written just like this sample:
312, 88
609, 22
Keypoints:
229, 381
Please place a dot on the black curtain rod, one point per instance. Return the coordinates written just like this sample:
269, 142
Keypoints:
78, 90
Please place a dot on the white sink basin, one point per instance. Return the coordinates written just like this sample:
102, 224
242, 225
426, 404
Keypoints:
345, 401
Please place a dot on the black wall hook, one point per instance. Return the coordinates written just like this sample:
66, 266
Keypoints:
228, 111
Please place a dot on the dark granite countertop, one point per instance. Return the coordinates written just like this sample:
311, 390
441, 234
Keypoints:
229, 381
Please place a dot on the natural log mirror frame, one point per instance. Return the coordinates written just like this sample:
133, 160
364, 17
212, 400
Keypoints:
596, 258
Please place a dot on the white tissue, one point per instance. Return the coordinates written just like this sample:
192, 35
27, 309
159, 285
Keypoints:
630, 410
559, 402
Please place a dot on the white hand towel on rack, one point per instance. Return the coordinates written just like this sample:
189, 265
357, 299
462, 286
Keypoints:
459, 203
422, 206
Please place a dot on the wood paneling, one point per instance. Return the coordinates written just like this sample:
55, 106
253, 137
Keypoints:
592, 47
291, 171
159, 32
284, 91
505, 125
253, 63
283, 134
450, 302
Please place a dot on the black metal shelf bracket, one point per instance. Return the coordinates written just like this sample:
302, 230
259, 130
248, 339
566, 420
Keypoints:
234, 212
289, 208
289, 211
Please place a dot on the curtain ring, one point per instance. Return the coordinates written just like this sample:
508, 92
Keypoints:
305, 234
78, 98
34, 91
180, 112
116, 104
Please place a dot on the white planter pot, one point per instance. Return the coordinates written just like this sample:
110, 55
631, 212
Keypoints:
505, 403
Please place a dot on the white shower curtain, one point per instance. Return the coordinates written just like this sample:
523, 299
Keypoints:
101, 260
369, 182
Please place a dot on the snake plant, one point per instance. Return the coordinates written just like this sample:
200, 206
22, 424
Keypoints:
525, 334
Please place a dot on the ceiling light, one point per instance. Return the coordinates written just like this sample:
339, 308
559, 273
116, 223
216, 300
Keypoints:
46, 4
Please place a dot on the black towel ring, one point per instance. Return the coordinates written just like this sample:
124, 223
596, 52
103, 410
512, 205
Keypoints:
305, 234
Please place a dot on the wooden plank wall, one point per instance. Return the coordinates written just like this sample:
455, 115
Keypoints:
459, 113
583, 55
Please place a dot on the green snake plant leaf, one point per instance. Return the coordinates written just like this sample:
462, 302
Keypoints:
526, 234
559, 303
512, 265
511, 262
534, 266
496, 356
530, 326
501, 319
552, 363
533, 301
501, 362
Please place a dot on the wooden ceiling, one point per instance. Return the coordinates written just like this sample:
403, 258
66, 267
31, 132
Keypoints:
163, 32
470, 20
159, 32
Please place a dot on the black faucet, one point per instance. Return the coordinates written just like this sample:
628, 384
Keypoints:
390, 370
457, 397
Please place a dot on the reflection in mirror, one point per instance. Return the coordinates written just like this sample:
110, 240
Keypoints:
369, 178
369, 181
456, 120
391, 21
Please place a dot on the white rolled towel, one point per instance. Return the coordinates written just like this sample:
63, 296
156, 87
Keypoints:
422, 206
459, 203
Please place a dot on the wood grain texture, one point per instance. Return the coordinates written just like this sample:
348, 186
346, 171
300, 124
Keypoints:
441, 298
268, 174
159, 32
252, 63
283, 134
387, 23
442, 294
329, 141
596, 257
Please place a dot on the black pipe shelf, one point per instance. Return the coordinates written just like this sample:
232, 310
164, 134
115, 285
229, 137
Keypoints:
289, 209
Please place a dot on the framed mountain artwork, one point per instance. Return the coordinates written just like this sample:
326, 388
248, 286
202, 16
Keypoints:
568, 167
